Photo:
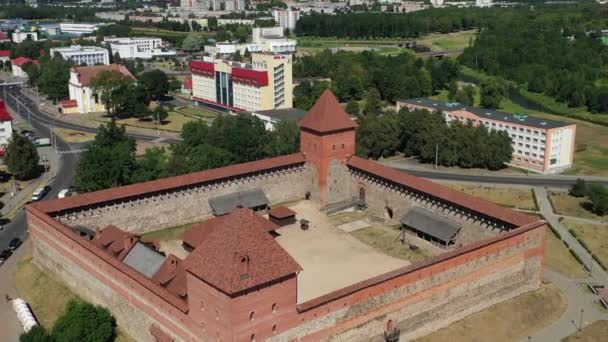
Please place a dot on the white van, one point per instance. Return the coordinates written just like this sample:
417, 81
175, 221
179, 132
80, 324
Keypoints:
64, 193
40, 193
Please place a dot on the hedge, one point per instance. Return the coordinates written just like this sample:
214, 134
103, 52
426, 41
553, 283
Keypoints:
580, 261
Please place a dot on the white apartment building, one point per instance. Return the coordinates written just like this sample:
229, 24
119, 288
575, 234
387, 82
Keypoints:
21, 36
233, 86
87, 55
79, 28
138, 47
539, 145
265, 40
286, 18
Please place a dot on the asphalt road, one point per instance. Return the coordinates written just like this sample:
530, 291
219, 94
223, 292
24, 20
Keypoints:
63, 179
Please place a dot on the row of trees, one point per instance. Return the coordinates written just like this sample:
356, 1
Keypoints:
596, 193
427, 136
547, 49
110, 160
390, 25
80, 322
353, 74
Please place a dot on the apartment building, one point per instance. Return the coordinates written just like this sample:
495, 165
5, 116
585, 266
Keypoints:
138, 47
21, 36
224, 85
539, 145
83, 55
286, 18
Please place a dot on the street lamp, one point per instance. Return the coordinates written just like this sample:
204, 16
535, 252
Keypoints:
580, 322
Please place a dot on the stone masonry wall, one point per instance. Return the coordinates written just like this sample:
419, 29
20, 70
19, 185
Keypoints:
180, 207
429, 298
135, 308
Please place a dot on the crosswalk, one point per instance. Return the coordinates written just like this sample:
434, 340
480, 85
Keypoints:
74, 151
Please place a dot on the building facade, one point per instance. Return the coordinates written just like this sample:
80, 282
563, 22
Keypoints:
224, 85
87, 55
264, 40
17, 66
286, 18
79, 28
138, 47
539, 145
238, 283
87, 99
6, 125
21, 36
213, 5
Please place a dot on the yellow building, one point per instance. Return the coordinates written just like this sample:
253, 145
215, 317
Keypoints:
85, 97
224, 85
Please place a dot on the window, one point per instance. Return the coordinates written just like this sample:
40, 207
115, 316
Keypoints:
342, 146
333, 147
251, 316
274, 307
274, 328
252, 338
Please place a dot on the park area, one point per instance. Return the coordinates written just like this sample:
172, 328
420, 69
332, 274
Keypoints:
567, 205
516, 198
526, 314
47, 296
594, 237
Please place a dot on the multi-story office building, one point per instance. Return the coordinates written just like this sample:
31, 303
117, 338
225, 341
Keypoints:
138, 47
79, 28
539, 145
83, 55
224, 85
286, 18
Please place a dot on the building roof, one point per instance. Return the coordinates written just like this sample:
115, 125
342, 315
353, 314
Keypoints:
238, 254
483, 113
3, 36
431, 224
281, 212
222, 205
86, 73
4, 115
194, 236
5, 53
442, 192
68, 103
164, 184
20, 61
115, 241
327, 115
283, 114
144, 259
172, 276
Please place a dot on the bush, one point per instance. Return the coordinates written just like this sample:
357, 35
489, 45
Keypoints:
579, 189
580, 261
573, 233
599, 262
84, 322
36, 334
583, 244
555, 232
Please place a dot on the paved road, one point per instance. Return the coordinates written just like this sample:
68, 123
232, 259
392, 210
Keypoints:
556, 181
439, 53
63, 175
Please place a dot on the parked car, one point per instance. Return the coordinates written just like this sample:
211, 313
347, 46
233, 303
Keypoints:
40, 193
4, 255
65, 193
42, 141
15, 243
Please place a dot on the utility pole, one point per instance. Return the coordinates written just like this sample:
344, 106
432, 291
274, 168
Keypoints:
436, 156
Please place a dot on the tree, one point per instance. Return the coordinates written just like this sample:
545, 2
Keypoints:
84, 322
373, 103
152, 165
108, 162
36, 334
352, 107
492, 92
155, 83
598, 194
285, 138
237, 56
21, 158
452, 90
54, 77
193, 42
579, 189
466, 96
33, 73
159, 114
109, 84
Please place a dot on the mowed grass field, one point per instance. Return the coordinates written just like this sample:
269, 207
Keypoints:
506, 197
564, 204
526, 313
595, 236
559, 259
448, 41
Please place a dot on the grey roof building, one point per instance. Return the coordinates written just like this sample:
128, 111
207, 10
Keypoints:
253, 199
431, 226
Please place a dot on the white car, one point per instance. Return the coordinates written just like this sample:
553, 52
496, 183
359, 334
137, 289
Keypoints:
40, 193
65, 193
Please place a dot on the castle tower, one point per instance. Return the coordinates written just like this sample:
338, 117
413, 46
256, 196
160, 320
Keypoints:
327, 134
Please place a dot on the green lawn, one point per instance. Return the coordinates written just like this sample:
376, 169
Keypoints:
194, 111
447, 41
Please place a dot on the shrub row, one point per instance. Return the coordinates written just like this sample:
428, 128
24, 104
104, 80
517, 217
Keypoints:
554, 231
580, 261
599, 261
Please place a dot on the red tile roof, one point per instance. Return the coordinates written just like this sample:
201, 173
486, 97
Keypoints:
20, 61
5, 53
3, 36
281, 212
196, 235
68, 103
172, 276
4, 115
86, 73
327, 115
442, 192
114, 241
196, 178
238, 254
